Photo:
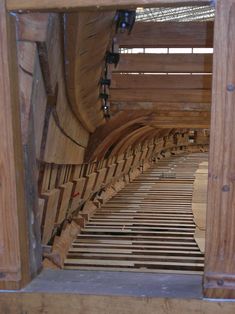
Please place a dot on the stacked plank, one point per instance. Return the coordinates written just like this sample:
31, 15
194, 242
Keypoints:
199, 203
148, 226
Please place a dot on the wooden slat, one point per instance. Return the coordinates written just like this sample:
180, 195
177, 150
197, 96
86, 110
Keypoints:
92, 4
158, 106
168, 34
151, 227
165, 63
161, 81
155, 95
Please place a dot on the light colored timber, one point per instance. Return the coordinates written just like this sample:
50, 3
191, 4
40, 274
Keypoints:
130, 230
92, 4
165, 63
168, 35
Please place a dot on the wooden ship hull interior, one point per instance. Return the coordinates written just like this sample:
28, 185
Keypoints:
117, 156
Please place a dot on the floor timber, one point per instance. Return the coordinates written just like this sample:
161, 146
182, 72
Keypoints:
146, 227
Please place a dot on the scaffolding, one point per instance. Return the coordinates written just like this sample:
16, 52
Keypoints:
178, 14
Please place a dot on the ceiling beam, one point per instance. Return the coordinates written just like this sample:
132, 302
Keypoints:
162, 63
168, 35
157, 106
65, 5
155, 95
161, 81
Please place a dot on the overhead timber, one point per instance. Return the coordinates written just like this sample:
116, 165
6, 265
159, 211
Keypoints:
169, 35
44, 5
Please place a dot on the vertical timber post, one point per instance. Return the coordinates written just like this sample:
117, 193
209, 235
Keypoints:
14, 245
219, 277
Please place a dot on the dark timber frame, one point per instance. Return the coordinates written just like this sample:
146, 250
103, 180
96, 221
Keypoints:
15, 257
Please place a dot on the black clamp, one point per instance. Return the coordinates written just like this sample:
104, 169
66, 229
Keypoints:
125, 20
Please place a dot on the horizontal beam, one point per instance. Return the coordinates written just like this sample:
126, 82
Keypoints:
165, 63
154, 95
64, 5
157, 106
161, 81
168, 35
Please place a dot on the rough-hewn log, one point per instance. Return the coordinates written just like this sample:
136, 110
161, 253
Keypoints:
165, 63
168, 35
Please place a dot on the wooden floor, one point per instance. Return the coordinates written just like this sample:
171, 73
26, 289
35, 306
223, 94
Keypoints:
146, 227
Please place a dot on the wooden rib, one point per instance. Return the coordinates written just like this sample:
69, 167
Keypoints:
168, 34
165, 63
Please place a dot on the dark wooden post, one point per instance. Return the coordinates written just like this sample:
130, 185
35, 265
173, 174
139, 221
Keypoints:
219, 280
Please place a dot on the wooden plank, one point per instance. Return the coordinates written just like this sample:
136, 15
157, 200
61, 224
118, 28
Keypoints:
155, 95
14, 5
161, 81
77, 193
63, 204
49, 214
168, 35
14, 246
165, 63
220, 233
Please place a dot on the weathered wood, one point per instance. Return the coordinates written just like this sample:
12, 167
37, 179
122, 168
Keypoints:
92, 4
165, 63
220, 232
168, 35
14, 244
32, 27
63, 205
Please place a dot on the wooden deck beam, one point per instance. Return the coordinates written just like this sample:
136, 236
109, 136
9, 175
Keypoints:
165, 63
168, 35
158, 106
155, 95
64, 5
161, 81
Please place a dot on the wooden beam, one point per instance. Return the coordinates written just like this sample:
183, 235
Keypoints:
14, 246
64, 5
161, 81
168, 35
154, 95
219, 281
163, 63
158, 106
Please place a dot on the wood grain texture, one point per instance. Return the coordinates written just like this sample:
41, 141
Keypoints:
158, 106
165, 63
155, 95
87, 38
168, 35
220, 244
92, 4
149, 81
14, 252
